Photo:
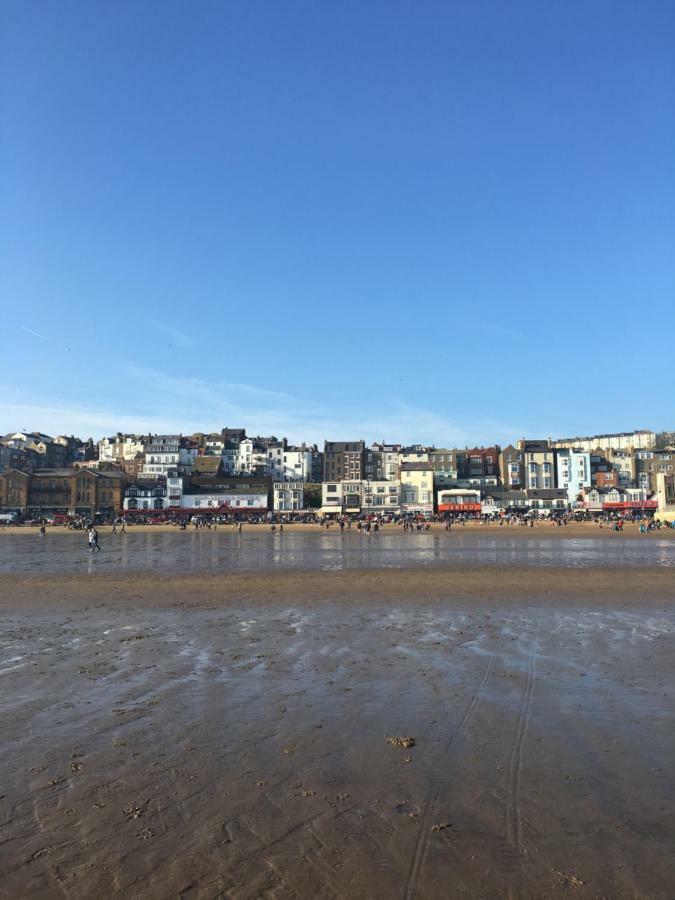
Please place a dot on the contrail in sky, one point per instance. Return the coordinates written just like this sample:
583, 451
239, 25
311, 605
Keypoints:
36, 333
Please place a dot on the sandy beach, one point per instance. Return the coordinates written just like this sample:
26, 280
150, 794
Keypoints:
541, 527
467, 731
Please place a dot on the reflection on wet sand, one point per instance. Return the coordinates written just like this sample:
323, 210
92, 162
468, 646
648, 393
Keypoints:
242, 750
330, 551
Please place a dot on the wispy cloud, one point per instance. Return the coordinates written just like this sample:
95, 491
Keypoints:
34, 333
77, 420
403, 424
185, 404
216, 391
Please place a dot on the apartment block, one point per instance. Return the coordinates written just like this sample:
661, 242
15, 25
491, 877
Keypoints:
343, 460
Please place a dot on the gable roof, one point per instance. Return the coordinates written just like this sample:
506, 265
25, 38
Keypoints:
207, 465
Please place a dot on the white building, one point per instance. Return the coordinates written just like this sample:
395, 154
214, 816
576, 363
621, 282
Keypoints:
381, 497
574, 472
297, 464
120, 447
619, 500
259, 456
231, 500
229, 457
391, 459
273, 461
148, 495
341, 496
377, 497
415, 454
165, 452
214, 445
417, 487
19, 440
288, 496
478, 481
624, 440
174, 490
665, 496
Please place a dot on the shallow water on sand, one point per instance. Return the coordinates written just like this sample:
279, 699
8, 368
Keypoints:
256, 550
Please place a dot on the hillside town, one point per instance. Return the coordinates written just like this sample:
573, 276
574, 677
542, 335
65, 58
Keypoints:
230, 473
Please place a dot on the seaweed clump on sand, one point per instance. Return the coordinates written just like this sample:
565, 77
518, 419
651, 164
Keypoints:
400, 742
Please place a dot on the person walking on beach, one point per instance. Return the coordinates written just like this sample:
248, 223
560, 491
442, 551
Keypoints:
93, 540
43, 531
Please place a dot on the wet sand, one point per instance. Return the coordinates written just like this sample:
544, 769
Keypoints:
225, 735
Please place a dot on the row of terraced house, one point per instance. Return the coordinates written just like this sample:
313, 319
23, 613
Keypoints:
230, 471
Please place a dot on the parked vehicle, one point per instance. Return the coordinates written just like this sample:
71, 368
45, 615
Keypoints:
60, 519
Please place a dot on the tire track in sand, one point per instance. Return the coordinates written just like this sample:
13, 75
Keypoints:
422, 843
512, 851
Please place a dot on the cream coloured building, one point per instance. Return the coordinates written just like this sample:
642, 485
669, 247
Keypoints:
417, 487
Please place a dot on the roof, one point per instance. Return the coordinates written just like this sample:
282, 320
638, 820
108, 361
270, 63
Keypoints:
546, 493
534, 446
612, 434
416, 467
501, 493
344, 446
207, 464
67, 473
60, 473
225, 492
152, 485
227, 482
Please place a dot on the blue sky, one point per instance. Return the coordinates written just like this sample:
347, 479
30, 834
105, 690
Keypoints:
431, 221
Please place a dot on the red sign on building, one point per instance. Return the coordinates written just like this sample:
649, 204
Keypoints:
632, 504
459, 507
